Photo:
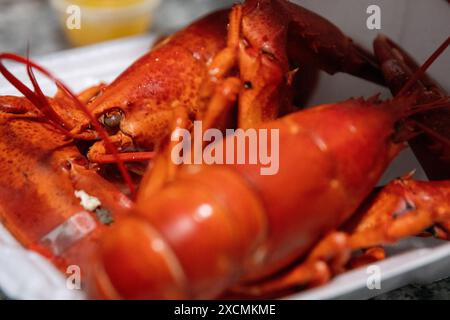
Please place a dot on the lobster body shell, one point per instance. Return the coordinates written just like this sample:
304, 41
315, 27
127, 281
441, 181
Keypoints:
40, 170
245, 223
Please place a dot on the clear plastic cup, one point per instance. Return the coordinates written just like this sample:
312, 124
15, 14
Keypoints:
91, 21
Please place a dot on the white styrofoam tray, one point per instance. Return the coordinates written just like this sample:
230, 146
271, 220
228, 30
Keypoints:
26, 275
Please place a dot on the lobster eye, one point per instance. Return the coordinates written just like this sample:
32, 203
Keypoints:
112, 118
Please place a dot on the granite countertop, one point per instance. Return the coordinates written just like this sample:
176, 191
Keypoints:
439, 290
18, 27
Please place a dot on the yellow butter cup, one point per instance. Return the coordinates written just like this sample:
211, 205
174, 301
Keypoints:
91, 21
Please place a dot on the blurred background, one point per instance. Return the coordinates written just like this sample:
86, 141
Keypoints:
37, 21
418, 25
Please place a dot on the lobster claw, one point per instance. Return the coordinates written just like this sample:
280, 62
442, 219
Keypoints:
274, 25
314, 39
398, 67
277, 37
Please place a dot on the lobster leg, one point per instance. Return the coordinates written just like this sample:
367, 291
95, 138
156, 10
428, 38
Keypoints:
403, 208
222, 101
226, 59
220, 91
98, 153
308, 274
163, 168
443, 230
398, 67
368, 256
324, 261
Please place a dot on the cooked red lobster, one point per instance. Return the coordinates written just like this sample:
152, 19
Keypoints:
202, 231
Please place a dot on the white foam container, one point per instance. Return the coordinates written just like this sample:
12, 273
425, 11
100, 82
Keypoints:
26, 275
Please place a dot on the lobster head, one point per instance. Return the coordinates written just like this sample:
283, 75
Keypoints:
137, 108
135, 119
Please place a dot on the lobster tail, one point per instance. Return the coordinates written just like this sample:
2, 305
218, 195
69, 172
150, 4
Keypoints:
277, 37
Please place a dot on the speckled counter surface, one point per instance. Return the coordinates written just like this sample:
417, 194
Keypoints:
25, 21
31, 21
436, 291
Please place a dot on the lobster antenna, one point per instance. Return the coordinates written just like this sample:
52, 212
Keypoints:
41, 104
421, 71
432, 133
38, 99
46, 106
437, 104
